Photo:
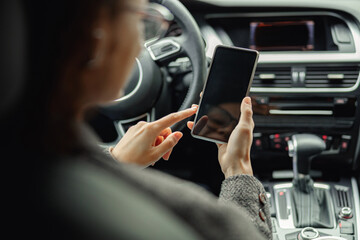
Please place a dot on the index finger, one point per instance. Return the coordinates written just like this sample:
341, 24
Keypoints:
172, 118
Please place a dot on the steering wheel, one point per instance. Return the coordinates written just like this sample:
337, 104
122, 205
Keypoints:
148, 91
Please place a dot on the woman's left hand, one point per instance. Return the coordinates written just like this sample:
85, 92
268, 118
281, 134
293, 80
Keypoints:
145, 143
234, 156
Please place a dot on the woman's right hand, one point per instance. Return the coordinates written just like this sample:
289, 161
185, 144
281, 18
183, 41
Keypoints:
234, 156
145, 143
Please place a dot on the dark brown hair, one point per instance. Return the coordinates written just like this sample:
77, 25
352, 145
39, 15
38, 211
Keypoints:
60, 42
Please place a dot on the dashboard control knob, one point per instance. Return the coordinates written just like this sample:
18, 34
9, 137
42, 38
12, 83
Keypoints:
308, 233
346, 213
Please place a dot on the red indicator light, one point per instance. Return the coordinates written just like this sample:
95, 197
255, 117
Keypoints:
277, 135
340, 101
258, 142
324, 137
277, 146
281, 193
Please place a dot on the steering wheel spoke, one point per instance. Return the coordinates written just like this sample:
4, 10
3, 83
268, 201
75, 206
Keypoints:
166, 49
123, 125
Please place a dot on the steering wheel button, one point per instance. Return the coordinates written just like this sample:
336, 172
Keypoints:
167, 48
157, 52
163, 48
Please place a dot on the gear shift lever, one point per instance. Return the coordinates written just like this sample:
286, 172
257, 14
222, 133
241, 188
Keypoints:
312, 207
303, 148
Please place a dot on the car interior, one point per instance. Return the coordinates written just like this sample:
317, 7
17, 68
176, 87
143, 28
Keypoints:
305, 96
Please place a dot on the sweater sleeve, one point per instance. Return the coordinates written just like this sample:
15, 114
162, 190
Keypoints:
247, 191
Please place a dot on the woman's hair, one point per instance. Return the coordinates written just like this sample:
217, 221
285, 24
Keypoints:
60, 44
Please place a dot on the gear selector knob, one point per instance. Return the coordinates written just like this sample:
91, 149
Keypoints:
303, 148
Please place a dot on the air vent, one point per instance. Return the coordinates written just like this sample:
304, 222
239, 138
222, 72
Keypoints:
274, 77
331, 76
342, 196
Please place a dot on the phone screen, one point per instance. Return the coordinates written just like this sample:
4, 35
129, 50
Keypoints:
229, 80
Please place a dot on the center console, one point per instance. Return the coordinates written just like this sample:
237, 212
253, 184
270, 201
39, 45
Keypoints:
343, 218
306, 82
303, 209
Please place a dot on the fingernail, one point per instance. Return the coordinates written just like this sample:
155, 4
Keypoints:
194, 107
178, 135
247, 100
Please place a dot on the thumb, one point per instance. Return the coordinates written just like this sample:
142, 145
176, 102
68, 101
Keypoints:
190, 124
246, 111
168, 144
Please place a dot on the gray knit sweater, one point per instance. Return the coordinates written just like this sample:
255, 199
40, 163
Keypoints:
234, 215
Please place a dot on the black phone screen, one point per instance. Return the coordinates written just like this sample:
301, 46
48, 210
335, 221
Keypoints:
228, 82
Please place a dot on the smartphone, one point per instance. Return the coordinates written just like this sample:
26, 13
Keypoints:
228, 82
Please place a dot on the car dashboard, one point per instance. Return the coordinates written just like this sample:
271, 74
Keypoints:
306, 82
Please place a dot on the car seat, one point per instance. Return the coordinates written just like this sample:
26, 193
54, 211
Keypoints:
120, 210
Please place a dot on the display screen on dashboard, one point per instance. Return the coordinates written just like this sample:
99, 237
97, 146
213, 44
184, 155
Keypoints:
282, 36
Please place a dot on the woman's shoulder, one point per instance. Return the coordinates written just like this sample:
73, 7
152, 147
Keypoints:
88, 199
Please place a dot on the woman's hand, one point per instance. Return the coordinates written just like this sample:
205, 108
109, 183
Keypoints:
234, 157
145, 143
